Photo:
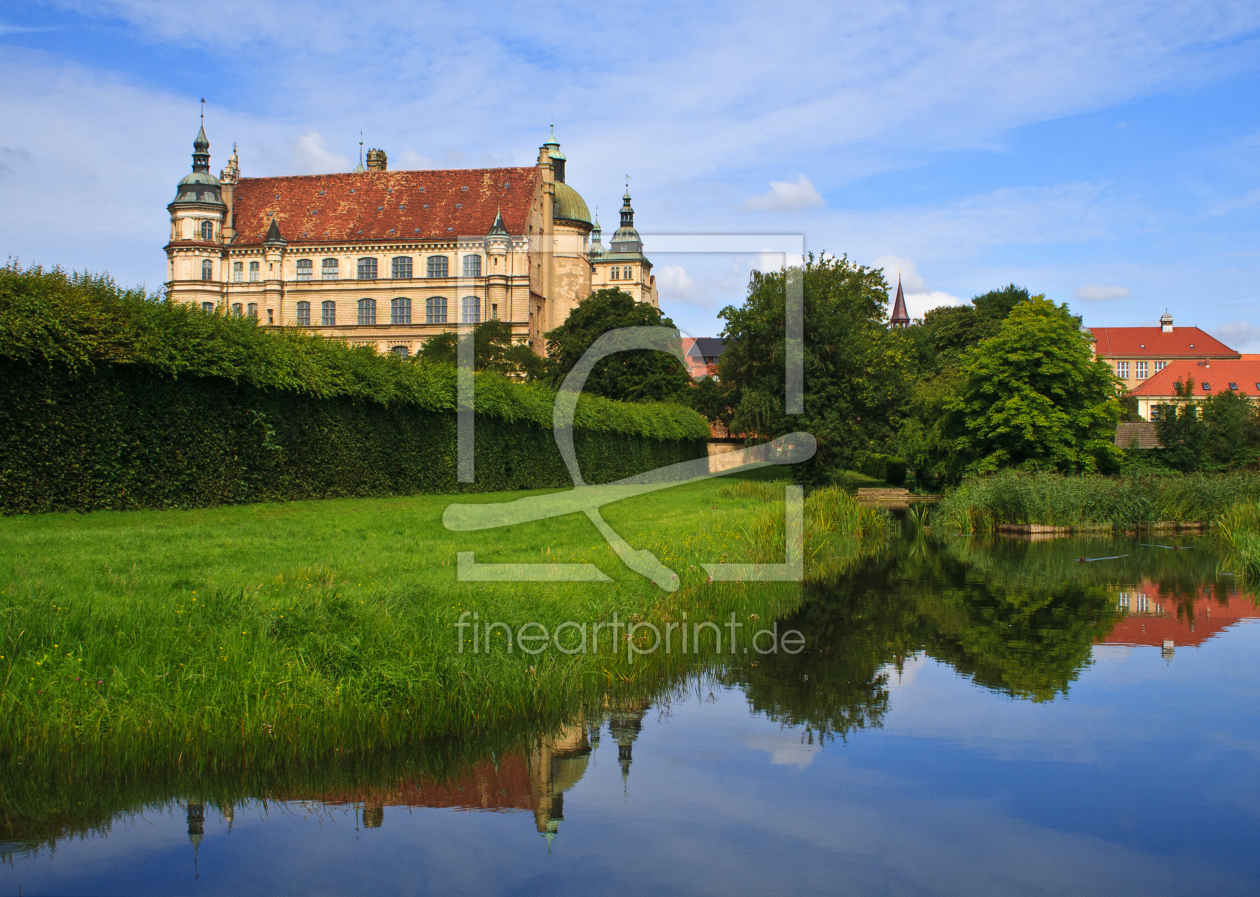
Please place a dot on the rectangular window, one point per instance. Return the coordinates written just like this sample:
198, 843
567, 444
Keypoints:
328, 313
305, 269
472, 266
400, 311
237, 309
253, 271
471, 310
1122, 370
1143, 603
1160, 365
253, 310
207, 270
207, 306
1124, 600
435, 310
1207, 387
625, 274
304, 314
238, 272
494, 313
330, 269
367, 269
616, 273
1141, 369
437, 266
400, 268
367, 311
271, 317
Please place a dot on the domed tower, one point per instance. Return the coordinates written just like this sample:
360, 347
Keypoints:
571, 228
596, 250
624, 266
194, 254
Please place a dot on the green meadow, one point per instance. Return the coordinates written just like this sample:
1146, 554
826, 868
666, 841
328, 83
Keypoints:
255, 636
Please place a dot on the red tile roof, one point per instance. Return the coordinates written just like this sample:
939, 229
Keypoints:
1189, 620
1218, 374
1153, 342
383, 205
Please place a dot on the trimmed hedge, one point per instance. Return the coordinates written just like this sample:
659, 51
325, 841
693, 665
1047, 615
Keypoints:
888, 468
111, 399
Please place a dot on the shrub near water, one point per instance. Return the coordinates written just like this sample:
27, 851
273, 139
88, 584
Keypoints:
982, 503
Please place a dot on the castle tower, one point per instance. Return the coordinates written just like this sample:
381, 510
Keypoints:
624, 266
195, 252
497, 244
571, 228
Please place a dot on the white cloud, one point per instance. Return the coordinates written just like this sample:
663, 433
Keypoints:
676, 285
410, 160
787, 196
314, 157
1238, 335
785, 748
919, 299
1093, 292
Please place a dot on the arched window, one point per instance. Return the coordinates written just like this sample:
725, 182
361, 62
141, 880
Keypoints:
305, 269
472, 266
253, 310
400, 311
207, 269
400, 267
435, 310
437, 265
207, 307
207, 231
367, 311
367, 269
328, 313
304, 314
238, 309
330, 269
472, 310
401, 351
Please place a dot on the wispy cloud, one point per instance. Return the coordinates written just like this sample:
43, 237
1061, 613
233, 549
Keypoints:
1093, 292
787, 196
919, 299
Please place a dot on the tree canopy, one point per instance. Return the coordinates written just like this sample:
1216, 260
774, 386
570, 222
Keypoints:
641, 375
493, 350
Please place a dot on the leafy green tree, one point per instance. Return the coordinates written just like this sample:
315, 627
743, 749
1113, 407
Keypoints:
713, 400
1181, 430
1233, 429
1035, 396
932, 437
856, 371
493, 350
642, 375
953, 330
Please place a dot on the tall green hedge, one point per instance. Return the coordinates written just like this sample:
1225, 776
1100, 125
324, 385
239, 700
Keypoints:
112, 399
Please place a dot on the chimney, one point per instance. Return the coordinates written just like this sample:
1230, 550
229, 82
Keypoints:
377, 160
1165, 322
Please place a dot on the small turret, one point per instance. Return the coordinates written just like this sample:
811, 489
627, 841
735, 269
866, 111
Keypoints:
377, 160
626, 239
596, 249
1166, 322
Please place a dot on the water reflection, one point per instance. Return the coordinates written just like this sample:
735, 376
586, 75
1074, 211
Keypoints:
1017, 618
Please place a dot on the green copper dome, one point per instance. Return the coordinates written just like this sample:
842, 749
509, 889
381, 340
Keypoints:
569, 206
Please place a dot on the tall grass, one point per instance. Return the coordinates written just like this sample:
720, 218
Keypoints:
259, 636
1093, 502
1239, 531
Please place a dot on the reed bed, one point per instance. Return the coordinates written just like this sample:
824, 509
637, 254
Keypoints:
1093, 502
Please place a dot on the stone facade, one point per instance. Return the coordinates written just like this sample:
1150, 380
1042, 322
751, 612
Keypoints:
391, 258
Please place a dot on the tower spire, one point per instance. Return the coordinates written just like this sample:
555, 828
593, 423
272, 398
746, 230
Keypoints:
360, 169
899, 318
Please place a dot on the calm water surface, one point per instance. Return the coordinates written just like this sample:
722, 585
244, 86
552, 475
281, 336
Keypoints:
969, 718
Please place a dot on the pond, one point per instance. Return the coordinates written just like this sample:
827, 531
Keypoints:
968, 717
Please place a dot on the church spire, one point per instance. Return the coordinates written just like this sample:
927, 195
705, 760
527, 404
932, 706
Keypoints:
201, 145
360, 169
899, 316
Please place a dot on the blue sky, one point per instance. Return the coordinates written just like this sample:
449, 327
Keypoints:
1107, 155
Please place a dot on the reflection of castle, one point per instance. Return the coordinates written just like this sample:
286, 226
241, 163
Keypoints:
515, 782
1156, 617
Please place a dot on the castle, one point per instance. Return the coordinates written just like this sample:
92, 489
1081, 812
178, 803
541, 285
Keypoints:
391, 258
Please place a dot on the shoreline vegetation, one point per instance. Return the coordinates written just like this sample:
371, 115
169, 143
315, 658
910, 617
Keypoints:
259, 636
1093, 503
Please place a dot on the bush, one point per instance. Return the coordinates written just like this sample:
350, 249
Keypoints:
888, 468
111, 399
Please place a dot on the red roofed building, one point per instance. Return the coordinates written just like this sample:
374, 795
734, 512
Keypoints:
1206, 376
391, 258
1136, 353
1164, 620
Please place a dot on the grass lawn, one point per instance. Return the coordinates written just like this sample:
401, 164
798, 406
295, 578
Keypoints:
251, 634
